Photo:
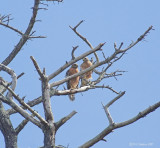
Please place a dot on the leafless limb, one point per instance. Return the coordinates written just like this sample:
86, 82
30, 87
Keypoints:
138, 40
72, 54
27, 116
106, 107
45, 92
3, 89
39, 99
49, 130
108, 115
21, 125
83, 38
108, 60
115, 99
25, 105
37, 67
64, 120
51, 76
115, 46
111, 127
34, 37
10, 27
54, 92
108, 87
30, 103
13, 75
20, 75
25, 36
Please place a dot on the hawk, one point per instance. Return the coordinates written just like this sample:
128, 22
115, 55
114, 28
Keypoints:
72, 83
88, 75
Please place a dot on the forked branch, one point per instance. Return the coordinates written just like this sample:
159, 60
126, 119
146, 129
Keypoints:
111, 59
111, 127
83, 38
25, 36
51, 76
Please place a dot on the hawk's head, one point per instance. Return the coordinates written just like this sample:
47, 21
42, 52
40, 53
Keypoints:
85, 59
75, 65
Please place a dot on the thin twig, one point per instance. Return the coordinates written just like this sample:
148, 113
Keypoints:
72, 53
10, 27
37, 67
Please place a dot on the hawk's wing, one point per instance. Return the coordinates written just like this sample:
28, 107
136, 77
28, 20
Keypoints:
68, 82
72, 83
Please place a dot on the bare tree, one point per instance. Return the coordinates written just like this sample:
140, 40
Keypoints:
48, 125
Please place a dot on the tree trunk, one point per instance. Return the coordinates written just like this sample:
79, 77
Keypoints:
49, 129
11, 140
7, 129
49, 137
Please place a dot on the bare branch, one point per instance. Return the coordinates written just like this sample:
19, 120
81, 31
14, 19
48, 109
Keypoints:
20, 75
34, 37
21, 126
138, 40
72, 54
13, 75
24, 37
108, 115
27, 116
108, 87
115, 99
14, 29
139, 116
54, 92
37, 67
45, 93
3, 89
25, 105
30, 103
110, 128
83, 38
106, 108
115, 46
108, 60
51, 76
64, 120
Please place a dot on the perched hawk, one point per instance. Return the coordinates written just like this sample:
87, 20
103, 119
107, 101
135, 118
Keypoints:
88, 75
72, 83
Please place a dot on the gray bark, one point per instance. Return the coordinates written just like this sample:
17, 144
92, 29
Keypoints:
7, 129
49, 131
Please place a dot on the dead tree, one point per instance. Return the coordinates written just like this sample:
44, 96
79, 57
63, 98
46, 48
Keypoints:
48, 125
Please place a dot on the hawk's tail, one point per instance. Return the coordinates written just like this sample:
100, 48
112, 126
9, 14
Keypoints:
72, 97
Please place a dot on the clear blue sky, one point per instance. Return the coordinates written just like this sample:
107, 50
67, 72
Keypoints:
105, 21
